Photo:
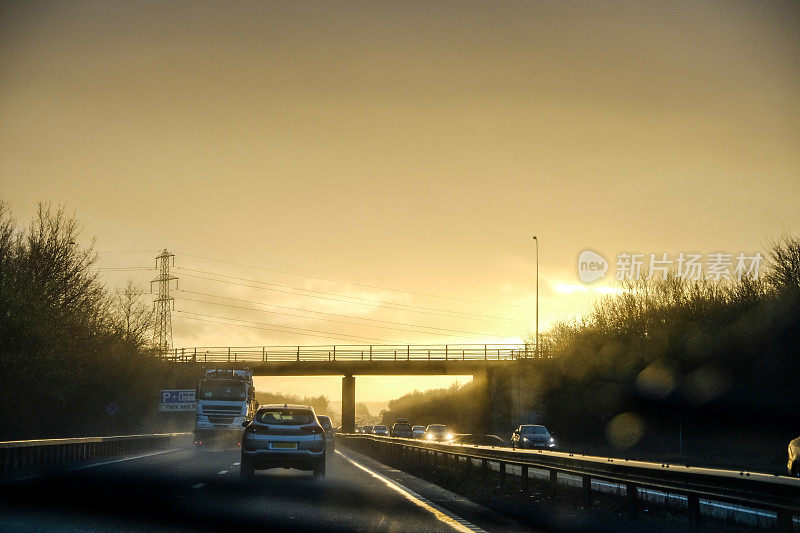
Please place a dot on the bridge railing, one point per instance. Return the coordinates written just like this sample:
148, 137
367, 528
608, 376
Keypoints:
332, 353
28, 454
780, 494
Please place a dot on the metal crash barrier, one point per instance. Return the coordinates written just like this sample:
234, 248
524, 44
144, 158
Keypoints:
25, 454
778, 494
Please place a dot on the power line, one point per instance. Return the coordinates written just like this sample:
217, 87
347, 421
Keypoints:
337, 314
283, 329
354, 283
477, 335
359, 301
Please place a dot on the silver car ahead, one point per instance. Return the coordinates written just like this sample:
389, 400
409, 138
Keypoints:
283, 436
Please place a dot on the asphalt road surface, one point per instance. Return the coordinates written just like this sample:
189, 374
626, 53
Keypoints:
190, 489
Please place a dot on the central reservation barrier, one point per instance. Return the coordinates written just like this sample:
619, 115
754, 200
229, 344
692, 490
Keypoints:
779, 494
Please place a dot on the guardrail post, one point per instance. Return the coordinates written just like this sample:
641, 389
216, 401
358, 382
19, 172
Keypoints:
298, 354
693, 507
263, 354
334, 352
229, 354
408, 353
445, 352
586, 493
484, 469
785, 520
502, 468
631, 497
553, 483
525, 478
370, 352
485, 355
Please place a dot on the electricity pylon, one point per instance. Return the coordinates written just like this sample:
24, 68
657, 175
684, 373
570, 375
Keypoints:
162, 329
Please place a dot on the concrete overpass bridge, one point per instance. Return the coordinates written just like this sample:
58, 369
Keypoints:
349, 361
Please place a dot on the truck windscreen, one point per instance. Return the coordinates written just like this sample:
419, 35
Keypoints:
222, 389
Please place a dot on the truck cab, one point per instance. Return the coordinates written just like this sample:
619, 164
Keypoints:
225, 399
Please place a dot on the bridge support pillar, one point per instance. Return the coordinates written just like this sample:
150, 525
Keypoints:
486, 385
348, 404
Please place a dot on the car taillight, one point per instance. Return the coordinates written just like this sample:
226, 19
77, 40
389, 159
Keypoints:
316, 430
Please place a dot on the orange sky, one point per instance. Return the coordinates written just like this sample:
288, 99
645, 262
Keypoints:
412, 147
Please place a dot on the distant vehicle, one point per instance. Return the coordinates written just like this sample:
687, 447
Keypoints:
401, 428
401, 419
438, 433
283, 436
367, 430
794, 458
479, 440
532, 436
417, 432
380, 430
327, 427
225, 399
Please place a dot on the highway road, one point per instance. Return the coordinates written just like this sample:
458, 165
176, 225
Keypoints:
191, 489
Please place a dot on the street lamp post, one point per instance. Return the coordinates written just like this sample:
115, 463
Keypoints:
538, 354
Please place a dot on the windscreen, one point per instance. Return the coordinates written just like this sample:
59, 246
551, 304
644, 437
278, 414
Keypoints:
222, 389
534, 430
437, 429
325, 422
285, 417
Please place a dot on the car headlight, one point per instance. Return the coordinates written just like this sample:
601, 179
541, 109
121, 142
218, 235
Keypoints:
524, 439
429, 437
449, 436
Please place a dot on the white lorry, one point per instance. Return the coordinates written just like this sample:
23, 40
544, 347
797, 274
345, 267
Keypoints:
225, 399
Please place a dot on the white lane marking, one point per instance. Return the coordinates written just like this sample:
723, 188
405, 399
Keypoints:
223, 472
93, 465
452, 520
236, 464
199, 486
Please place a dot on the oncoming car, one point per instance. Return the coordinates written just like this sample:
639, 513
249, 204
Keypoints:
532, 436
417, 432
438, 432
380, 430
283, 436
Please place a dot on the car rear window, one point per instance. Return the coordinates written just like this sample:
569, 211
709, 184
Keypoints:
287, 417
325, 422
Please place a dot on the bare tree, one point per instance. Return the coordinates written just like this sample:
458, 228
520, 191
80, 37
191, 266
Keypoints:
133, 317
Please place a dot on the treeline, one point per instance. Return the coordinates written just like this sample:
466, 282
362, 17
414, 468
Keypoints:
458, 406
68, 346
706, 369
319, 403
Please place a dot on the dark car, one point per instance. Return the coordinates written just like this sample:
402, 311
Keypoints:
479, 440
401, 428
532, 436
794, 458
327, 426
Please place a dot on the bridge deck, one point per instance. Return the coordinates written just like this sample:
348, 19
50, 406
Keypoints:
357, 359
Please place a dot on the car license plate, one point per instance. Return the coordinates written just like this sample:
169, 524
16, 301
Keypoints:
284, 445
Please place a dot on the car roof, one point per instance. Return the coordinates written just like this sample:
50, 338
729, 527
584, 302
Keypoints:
284, 406
324, 416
